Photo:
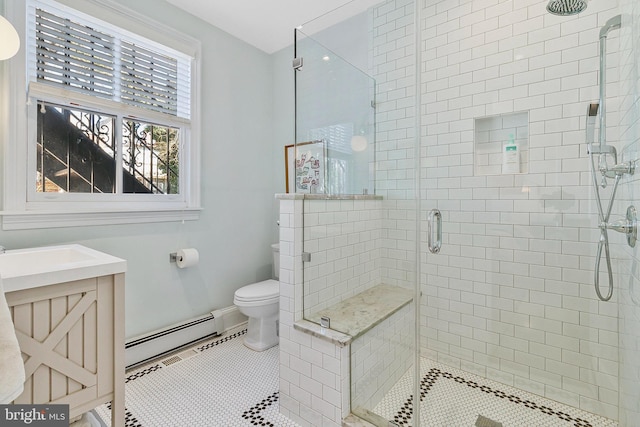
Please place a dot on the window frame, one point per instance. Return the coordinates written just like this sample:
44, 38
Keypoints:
25, 208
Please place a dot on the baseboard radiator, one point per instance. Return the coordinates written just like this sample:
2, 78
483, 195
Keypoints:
170, 339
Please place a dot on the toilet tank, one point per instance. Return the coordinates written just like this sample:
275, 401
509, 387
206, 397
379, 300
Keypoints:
275, 248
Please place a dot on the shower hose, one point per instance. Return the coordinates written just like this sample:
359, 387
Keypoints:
603, 243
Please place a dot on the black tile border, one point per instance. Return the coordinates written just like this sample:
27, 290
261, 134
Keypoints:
129, 419
222, 340
404, 414
142, 373
253, 414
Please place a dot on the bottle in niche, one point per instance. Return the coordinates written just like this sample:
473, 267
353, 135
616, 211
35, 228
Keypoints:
511, 157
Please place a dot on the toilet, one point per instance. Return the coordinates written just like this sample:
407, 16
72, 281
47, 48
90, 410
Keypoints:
260, 302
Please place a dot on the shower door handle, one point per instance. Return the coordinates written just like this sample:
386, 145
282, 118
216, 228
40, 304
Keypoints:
435, 227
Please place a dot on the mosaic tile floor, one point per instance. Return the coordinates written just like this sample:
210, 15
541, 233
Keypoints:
218, 383
221, 383
451, 397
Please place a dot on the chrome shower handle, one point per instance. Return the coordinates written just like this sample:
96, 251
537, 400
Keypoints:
435, 225
628, 226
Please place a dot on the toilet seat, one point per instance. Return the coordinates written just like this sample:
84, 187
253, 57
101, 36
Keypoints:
261, 293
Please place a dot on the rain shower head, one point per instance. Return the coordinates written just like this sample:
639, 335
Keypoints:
566, 7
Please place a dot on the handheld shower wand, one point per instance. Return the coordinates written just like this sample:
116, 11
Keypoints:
603, 243
592, 113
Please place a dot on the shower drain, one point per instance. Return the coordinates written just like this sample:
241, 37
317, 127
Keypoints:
486, 422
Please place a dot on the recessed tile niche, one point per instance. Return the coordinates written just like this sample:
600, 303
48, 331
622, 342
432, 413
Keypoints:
492, 135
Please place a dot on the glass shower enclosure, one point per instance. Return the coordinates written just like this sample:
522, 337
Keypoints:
355, 161
476, 118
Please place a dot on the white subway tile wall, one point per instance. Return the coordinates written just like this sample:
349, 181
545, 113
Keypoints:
343, 238
393, 67
511, 297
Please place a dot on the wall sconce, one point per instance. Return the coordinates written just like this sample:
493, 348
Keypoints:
10, 40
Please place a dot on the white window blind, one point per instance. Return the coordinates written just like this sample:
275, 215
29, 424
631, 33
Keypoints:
74, 55
99, 59
148, 79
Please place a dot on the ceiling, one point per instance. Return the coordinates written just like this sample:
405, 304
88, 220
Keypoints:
268, 25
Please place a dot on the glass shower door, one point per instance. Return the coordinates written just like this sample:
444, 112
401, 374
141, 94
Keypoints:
512, 330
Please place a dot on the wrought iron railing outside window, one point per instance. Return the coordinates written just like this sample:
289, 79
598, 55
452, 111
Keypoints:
77, 153
150, 154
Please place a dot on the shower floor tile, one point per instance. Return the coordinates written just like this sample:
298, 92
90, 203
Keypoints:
217, 383
451, 397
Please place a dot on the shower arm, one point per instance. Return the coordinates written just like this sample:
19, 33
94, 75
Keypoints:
614, 23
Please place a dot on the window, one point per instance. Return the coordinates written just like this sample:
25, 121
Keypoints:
110, 126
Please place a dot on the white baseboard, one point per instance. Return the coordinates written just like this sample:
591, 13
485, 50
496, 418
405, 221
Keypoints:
230, 317
166, 340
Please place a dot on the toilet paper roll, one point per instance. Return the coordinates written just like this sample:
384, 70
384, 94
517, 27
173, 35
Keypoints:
187, 257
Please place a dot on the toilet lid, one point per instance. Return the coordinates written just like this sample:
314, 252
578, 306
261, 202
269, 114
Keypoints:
268, 289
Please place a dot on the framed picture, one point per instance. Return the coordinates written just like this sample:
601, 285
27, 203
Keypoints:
305, 167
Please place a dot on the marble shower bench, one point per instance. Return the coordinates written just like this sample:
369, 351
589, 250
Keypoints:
354, 316
371, 327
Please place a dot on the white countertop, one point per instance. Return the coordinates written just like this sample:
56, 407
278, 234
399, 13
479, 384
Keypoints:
34, 267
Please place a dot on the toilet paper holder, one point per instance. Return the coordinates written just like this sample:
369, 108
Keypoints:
184, 258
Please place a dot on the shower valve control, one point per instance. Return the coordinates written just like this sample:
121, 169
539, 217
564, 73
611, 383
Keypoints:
628, 226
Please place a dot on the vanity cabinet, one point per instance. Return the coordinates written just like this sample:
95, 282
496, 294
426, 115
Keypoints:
72, 340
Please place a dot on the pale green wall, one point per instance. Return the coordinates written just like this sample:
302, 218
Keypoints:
238, 222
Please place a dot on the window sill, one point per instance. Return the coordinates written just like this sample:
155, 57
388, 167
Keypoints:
12, 220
